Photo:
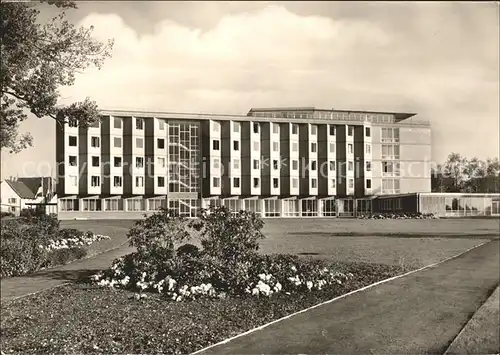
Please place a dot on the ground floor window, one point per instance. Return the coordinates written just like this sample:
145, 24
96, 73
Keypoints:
291, 208
329, 208
233, 204
253, 206
309, 208
69, 204
113, 204
154, 204
272, 208
136, 204
91, 205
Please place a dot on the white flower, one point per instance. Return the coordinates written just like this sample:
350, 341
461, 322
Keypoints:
255, 291
309, 285
294, 269
277, 287
262, 277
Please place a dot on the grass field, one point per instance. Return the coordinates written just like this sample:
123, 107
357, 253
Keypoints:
412, 243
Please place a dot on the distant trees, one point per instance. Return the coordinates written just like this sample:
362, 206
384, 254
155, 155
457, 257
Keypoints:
36, 61
461, 174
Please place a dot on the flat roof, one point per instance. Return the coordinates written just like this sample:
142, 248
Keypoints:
397, 115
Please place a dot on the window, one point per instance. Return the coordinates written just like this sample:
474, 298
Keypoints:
256, 164
215, 144
275, 183
349, 148
139, 142
117, 181
295, 183
72, 141
161, 125
351, 183
332, 130
161, 181
295, 165
390, 151
332, 147
350, 166
295, 146
314, 130
94, 142
161, 162
117, 122
236, 182
276, 128
139, 181
256, 146
314, 183
12, 200
72, 160
73, 123
350, 131
73, 180
368, 183
390, 135
216, 126
236, 127
216, 163
255, 127
236, 164
95, 161
95, 181
117, 142
295, 129
236, 145
368, 166
117, 162
333, 183
139, 123
368, 149
313, 147
139, 162
275, 165
256, 182
216, 182
332, 166
276, 146
367, 131
313, 165
161, 143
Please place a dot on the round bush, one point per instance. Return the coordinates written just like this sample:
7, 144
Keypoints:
188, 250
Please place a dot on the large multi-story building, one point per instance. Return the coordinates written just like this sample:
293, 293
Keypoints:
279, 162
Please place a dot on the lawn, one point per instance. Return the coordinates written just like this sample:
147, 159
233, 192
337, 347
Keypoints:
86, 319
412, 243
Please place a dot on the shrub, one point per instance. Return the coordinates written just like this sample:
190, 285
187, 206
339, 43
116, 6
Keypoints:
229, 236
188, 250
6, 214
63, 256
158, 232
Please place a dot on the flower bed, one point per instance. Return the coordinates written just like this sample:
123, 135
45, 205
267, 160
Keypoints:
34, 243
188, 278
100, 320
398, 216
72, 238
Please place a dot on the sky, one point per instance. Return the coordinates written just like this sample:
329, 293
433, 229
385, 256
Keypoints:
440, 60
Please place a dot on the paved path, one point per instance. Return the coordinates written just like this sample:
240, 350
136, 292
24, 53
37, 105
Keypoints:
23, 285
417, 314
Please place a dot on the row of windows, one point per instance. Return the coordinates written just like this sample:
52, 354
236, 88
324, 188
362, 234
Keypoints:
216, 181
160, 144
